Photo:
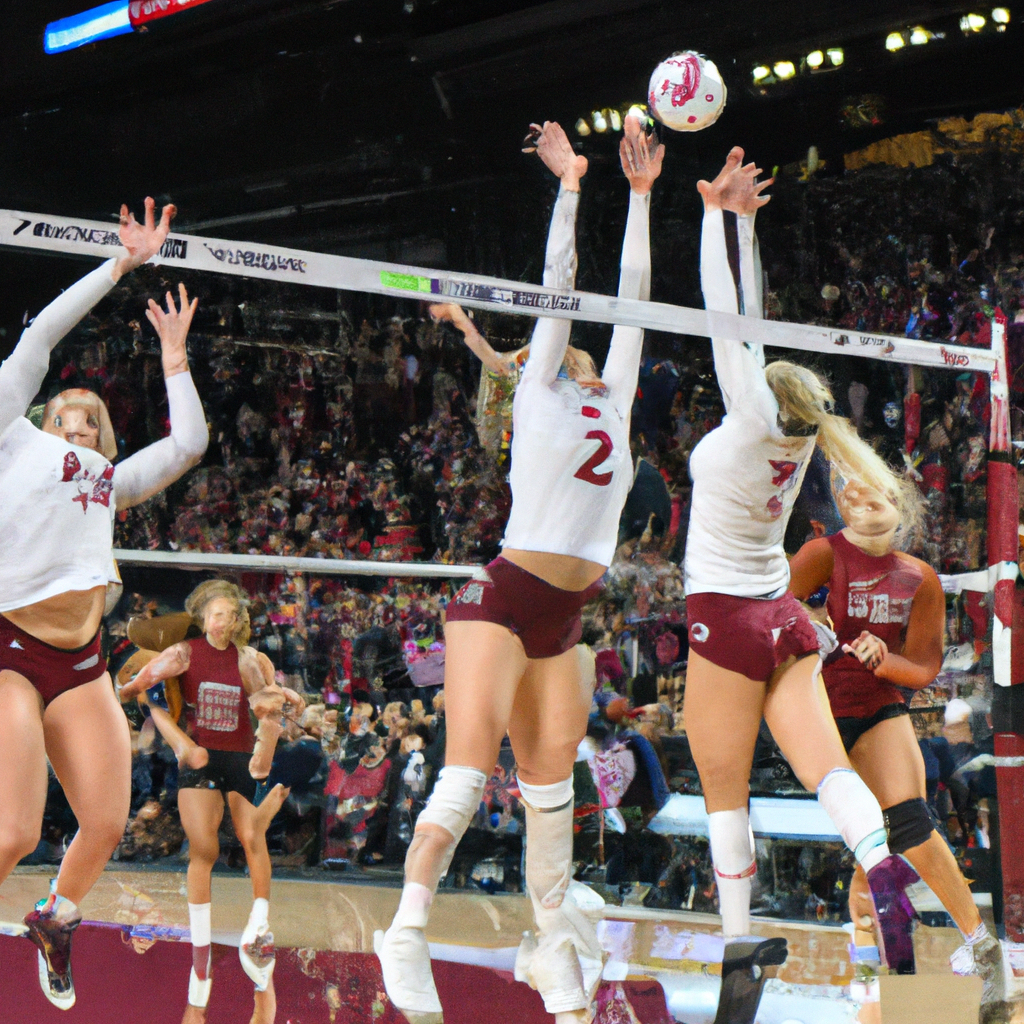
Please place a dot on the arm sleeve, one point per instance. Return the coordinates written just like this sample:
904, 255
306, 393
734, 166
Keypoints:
810, 568
550, 337
149, 471
622, 366
739, 366
22, 373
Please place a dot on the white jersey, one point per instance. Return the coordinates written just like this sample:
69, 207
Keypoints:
746, 473
57, 500
571, 464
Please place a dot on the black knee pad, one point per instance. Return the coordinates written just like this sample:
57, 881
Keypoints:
907, 824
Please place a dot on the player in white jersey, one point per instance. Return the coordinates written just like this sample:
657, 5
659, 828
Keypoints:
753, 650
58, 496
510, 632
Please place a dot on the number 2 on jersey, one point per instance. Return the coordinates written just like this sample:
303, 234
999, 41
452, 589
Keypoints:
586, 471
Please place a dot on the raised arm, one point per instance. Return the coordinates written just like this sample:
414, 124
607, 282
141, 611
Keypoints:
739, 366
172, 662
641, 163
22, 373
149, 471
550, 337
475, 341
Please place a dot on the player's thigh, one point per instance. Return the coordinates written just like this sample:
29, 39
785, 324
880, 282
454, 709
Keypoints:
22, 761
484, 664
549, 717
888, 758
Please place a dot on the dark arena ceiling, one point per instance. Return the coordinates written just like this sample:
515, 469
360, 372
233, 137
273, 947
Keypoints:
355, 126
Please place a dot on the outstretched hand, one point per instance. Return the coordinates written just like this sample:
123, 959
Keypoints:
736, 187
552, 145
641, 156
142, 240
172, 326
452, 313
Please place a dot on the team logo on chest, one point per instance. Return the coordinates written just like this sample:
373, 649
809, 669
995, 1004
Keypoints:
93, 487
785, 477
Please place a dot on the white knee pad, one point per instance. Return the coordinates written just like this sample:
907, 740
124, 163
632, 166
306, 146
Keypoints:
855, 812
732, 852
454, 803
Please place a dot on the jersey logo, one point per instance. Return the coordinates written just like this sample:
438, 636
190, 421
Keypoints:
88, 663
102, 484
699, 632
217, 706
774, 506
587, 472
783, 472
16, 645
590, 412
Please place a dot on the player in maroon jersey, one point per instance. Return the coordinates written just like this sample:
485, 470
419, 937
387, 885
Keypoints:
888, 611
221, 678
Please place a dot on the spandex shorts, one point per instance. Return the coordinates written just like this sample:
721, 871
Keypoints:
51, 670
851, 729
227, 770
749, 635
545, 618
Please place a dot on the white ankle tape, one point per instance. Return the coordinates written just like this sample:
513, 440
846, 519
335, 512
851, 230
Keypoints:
198, 991
455, 800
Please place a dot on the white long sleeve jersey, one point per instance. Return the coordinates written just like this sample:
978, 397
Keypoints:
746, 473
571, 464
57, 500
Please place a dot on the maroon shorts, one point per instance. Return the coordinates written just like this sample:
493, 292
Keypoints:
546, 619
749, 635
51, 670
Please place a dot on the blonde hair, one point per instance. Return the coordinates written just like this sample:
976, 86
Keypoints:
806, 398
197, 601
94, 406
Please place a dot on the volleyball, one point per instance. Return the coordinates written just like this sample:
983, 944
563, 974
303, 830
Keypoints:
686, 92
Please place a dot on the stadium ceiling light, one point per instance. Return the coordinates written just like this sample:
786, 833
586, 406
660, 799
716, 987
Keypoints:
615, 120
639, 111
761, 72
894, 41
582, 128
815, 59
1001, 15
785, 69
101, 22
919, 36
836, 56
972, 22
598, 121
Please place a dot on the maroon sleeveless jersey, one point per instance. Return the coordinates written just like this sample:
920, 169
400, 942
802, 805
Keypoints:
869, 592
216, 702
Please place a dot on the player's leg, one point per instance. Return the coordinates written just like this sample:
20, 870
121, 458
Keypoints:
484, 663
549, 720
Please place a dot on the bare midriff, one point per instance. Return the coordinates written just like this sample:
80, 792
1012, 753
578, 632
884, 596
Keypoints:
67, 620
563, 571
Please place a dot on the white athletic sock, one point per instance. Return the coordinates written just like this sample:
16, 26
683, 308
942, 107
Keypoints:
199, 980
855, 812
732, 851
979, 933
63, 909
405, 956
199, 924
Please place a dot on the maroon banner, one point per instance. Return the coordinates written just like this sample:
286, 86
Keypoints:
142, 11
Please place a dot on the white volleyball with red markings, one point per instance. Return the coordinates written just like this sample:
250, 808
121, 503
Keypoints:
686, 92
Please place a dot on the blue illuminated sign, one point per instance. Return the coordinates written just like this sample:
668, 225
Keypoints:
98, 23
